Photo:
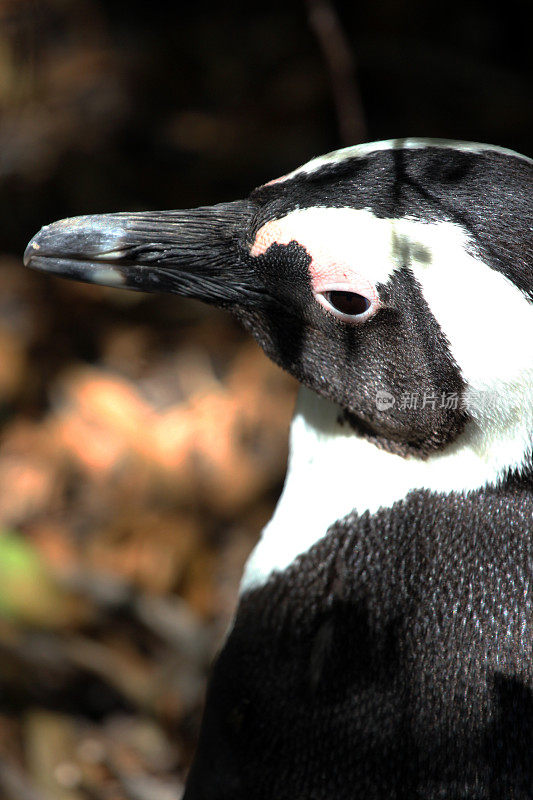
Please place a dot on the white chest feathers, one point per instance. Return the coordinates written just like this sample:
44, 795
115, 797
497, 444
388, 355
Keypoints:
333, 471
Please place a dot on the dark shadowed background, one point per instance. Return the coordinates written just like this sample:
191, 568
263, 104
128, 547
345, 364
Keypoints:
143, 438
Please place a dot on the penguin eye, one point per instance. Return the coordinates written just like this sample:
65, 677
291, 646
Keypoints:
347, 306
348, 303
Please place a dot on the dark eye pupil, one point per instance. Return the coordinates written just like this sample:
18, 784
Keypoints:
349, 302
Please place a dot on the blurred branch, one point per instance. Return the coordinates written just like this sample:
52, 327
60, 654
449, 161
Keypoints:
340, 62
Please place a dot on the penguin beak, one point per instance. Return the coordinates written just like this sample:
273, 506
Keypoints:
197, 253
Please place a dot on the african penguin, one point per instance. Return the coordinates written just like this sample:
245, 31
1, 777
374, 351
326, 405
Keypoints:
383, 643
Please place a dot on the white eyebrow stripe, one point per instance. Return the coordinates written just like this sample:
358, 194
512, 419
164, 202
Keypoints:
414, 143
358, 243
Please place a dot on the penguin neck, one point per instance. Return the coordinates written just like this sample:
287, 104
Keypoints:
333, 471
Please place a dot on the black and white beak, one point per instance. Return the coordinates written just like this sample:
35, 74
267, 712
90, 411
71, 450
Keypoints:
197, 253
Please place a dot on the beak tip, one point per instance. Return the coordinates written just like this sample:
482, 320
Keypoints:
59, 244
31, 250
36, 246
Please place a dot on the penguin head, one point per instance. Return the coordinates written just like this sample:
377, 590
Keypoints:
394, 279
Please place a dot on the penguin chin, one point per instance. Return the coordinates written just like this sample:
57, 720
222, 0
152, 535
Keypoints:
400, 429
405, 442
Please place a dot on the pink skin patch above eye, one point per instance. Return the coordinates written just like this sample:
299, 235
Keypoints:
332, 253
277, 180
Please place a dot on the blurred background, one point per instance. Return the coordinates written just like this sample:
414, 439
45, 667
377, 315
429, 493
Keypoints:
143, 439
